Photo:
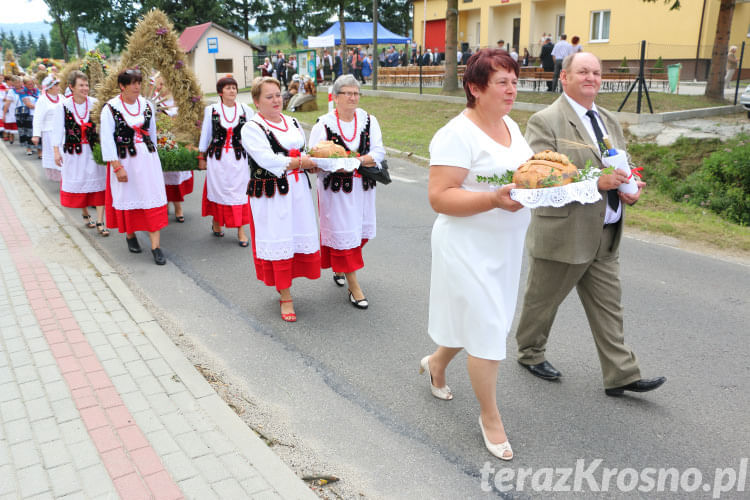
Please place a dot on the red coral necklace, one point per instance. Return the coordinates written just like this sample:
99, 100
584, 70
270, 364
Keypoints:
75, 110
125, 106
338, 122
286, 126
57, 98
225, 116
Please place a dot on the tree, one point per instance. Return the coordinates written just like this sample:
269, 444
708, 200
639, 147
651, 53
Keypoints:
22, 44
57, 49
42, 49
30, 42
291, 15
715, 84
450, 81
239, 15
184, 13
13, 41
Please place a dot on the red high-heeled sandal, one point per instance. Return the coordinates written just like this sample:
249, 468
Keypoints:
289, 317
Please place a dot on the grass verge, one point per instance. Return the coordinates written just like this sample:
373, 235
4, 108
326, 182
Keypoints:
410, 125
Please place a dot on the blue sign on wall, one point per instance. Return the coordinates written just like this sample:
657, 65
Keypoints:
213, 45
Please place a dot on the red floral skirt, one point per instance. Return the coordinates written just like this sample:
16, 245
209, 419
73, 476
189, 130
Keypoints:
81, 200
226, 215
177, 192
342, 261
139, 219
280, 273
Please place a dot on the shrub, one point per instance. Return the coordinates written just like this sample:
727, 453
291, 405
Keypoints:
706, 173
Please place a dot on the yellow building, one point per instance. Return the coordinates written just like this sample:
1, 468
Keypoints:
612, 29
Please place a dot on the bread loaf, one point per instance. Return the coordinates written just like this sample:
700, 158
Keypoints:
545, 169
327, 149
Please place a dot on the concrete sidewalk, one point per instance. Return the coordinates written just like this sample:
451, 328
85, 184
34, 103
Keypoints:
95, 400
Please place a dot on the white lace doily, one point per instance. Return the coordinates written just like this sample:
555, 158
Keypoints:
558, 196
335, 164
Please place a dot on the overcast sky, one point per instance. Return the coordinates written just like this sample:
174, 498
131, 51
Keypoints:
31, 11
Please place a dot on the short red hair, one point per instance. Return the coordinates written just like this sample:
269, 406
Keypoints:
480, 67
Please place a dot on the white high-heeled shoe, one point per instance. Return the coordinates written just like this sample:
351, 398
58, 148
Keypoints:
499, 449
443, 393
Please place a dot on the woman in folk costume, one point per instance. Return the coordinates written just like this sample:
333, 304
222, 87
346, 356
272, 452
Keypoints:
178, 184
10, 102
44, 117
3, 93
346, 201
283, 228
136, 197
225, 192
73, 137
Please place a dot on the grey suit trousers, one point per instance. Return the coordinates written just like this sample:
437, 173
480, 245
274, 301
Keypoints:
598, 286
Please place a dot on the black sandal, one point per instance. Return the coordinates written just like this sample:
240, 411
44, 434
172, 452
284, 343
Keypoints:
89, 223
103, 231
179, 218
219, 233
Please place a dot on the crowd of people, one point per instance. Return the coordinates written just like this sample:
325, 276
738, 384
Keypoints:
258, 174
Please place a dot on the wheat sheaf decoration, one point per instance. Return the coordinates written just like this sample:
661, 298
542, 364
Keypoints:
151, 47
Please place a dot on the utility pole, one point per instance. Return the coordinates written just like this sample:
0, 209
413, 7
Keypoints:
375, 58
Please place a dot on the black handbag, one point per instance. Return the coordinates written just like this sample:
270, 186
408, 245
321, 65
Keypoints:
380, 175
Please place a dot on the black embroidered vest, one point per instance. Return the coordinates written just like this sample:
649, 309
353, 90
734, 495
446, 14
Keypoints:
74, 135
125, 134
261, 180
219, 137
345, 181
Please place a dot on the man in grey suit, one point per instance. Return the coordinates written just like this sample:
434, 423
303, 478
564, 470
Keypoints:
577, 245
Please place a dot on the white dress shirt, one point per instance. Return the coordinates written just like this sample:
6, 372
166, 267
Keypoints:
611, 216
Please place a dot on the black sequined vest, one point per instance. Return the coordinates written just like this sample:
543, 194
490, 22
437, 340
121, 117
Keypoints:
125, 134
74, 135
219, 137
345, 181
262, 182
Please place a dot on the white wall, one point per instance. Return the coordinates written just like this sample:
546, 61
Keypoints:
229, 48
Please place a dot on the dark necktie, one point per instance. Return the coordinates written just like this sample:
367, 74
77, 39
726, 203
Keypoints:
612, 199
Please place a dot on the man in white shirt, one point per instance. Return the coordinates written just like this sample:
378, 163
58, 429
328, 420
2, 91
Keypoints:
577, 245
560, 51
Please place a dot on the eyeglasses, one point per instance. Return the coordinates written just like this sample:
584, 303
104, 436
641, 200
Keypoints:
133, 72
349, 94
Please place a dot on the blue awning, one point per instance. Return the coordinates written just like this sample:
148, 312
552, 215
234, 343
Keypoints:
358, 33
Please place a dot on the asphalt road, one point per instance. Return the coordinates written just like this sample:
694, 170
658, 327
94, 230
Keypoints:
340, 387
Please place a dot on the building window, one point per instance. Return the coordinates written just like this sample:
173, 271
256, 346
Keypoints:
599, 26
224, 66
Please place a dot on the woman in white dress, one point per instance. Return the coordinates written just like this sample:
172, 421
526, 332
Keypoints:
73, 137
46, 109
180, 183
283, 227
346, 201
477, 238
225, 195
136, 197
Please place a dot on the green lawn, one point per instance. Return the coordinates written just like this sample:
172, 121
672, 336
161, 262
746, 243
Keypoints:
409, 126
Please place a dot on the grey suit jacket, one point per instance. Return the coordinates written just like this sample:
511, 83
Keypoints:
569, 234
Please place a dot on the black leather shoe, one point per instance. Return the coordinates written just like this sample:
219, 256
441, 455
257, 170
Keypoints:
133, 244
642, 385
158, 257
543, 370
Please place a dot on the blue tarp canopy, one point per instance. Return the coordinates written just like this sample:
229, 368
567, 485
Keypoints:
361, 33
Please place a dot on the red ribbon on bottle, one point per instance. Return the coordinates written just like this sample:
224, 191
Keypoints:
635, 171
